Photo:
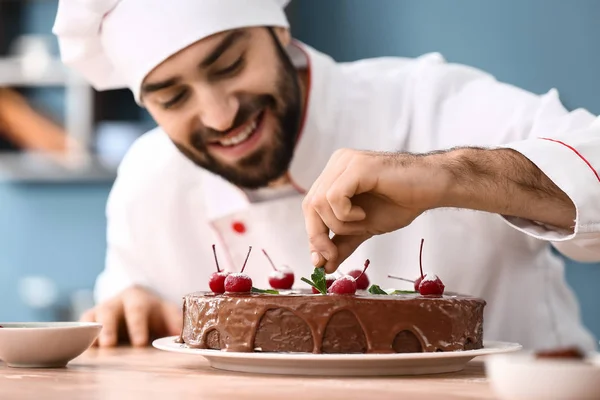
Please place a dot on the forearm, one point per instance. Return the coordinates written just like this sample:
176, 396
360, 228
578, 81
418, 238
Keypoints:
503, 182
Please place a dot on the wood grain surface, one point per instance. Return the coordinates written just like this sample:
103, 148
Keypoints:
126, 373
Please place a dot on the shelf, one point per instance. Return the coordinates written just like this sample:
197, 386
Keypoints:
37, 168
16, 71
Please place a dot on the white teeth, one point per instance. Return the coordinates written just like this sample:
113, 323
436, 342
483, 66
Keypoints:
240, 137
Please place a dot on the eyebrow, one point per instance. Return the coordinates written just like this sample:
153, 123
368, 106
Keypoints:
228, 41
155, 87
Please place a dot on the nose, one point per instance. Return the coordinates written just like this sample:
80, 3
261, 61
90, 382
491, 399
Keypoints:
217, 108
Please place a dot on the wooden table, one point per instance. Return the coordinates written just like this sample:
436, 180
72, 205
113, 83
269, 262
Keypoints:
125, 373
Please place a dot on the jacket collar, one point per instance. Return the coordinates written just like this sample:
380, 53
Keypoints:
316, 142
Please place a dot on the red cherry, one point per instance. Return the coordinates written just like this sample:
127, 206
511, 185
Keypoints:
216, 282
431, 285
239, 282
328, 281
362, 281
418, 283
282, 278
344, 285
428, 284
346, 288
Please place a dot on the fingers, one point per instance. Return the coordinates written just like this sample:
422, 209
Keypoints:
327, 217
324, 250
133, 307
109, 314
316, 258
329, 206
320, 219
89, 316
330, 197
345, 245
338, 198
137, 314
321, 246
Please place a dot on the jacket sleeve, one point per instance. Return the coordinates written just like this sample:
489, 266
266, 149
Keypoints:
124, 260
129, 204
563, 145
566, 147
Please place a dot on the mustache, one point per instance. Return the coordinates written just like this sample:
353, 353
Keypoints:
248, 107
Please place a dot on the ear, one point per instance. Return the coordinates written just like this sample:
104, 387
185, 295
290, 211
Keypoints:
283, 35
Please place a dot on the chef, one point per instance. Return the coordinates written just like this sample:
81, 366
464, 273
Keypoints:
248, 119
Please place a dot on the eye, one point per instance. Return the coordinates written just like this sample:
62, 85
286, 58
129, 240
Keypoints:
174, 100
231, 68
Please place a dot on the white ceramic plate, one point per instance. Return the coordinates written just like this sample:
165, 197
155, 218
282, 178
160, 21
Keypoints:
338, 364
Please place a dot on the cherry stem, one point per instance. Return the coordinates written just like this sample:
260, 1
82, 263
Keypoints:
367, 262
269, 258
401, 279
216, 261
247, 255
421, 258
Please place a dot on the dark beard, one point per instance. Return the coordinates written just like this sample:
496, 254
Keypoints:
266, 164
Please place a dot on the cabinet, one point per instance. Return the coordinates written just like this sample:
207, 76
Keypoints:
29, 62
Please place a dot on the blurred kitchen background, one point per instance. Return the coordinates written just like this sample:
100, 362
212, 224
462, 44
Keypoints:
60, 141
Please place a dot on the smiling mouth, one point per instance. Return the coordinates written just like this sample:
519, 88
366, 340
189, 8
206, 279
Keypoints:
242, 135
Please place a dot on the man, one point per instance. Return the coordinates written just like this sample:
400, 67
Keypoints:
248, 120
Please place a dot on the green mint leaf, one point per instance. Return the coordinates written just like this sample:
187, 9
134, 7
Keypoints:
403, 292
320, 280
266, 291
375, 289
309, 282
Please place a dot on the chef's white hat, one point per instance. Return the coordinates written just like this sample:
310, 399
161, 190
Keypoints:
115, 43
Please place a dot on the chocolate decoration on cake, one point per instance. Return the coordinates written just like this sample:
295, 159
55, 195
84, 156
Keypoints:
361, 323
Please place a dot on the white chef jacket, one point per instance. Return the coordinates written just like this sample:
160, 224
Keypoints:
164, 213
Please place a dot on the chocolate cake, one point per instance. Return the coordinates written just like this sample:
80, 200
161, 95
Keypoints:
315, 323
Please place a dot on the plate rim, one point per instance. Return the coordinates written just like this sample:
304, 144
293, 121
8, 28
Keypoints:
168, 343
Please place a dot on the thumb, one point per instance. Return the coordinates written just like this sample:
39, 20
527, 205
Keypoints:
346, 245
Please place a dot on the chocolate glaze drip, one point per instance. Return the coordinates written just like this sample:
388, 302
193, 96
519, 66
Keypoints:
344, 334
180, 338
407, 342
361, 323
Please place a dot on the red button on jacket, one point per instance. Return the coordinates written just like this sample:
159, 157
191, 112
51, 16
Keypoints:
239, 227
